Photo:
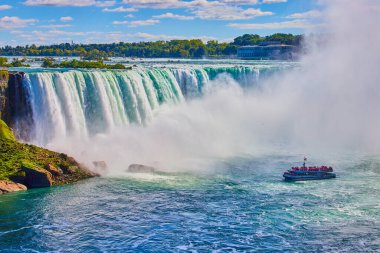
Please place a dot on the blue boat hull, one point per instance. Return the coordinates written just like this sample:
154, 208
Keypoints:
289, 177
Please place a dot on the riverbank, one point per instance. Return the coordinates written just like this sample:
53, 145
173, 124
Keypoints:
24, 166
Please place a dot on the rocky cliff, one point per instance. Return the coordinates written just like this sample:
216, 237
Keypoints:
16, 109
25, 166
33, 166
4, 76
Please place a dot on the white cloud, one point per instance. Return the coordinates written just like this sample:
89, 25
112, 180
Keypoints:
105, 3
174, 16
55, 26
120, 22
137, 23
203, 9
274, 1
159, 4
298, 23
66, 19
75, 3
229, 13
308, 14
9, 23
242, 2
164, 4
58, 36
155, 37
66, 33
5, 7
120, 9
55, 35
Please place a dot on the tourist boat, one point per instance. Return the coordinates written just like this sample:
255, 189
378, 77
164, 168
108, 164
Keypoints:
309, 173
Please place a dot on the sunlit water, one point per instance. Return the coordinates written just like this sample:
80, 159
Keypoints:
242, 206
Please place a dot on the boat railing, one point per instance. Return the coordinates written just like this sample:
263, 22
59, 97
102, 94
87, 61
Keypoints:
313, 168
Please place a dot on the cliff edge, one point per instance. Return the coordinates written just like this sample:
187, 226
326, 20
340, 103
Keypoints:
25, 166
35, 167
4, 76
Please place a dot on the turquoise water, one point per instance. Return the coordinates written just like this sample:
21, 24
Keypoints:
242, 206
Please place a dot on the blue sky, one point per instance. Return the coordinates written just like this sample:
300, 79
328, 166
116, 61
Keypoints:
98, 21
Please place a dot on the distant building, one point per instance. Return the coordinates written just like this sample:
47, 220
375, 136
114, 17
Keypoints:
270, 42
267, 50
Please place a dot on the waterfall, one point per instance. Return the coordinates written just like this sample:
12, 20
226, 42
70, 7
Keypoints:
82, 103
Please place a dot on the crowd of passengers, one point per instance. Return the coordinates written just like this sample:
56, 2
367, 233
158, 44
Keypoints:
314, 168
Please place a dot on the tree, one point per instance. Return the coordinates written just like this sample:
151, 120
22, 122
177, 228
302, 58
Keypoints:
173, 48
247, 39
200, 52
48, 63
230, 50
3, 62
288, 39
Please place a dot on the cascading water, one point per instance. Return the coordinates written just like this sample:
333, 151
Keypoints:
82, 103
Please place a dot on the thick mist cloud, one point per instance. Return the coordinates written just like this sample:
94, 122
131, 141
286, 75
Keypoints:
339, 87
332, 102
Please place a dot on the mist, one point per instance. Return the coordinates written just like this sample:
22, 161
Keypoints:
332, 102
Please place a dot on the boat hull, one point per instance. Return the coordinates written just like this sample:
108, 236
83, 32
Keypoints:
293, 178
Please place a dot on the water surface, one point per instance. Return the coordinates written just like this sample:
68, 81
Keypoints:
242, 206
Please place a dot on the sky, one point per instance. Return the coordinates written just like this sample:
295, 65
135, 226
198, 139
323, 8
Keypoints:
45, 22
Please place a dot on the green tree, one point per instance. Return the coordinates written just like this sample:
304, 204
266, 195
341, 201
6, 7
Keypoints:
3, 62
248, 39
48, 63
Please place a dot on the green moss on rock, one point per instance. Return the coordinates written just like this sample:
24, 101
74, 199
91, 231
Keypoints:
4, 75
14, 156
6, 132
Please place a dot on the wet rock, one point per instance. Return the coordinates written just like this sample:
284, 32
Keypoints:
72, 169
56, 172
140, 168
37, 178
9, 186
63, 156
84, 169
18, 112
100, 165
71, 160
68, 169
4, 75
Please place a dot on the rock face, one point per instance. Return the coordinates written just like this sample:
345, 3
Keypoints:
140, 168
18, 109
8, 186
56, 172
37, 178
101, 167
4, 75
36, 167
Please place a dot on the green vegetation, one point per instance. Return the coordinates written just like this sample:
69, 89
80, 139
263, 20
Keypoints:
14, 63
159, 49
5, 132
14, 155
254, 39
49, 63
4, 75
